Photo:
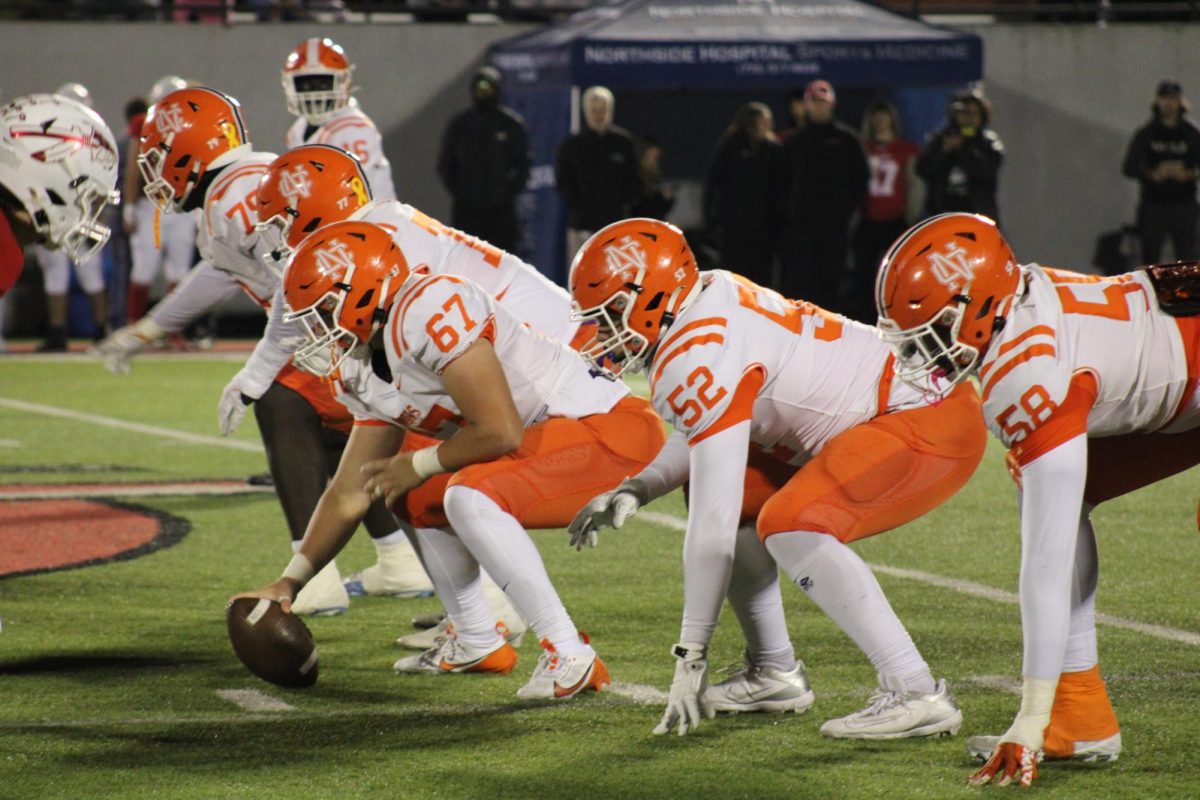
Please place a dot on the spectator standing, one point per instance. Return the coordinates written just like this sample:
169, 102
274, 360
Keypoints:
828, 175
1164, 158
743, 194
961, 162
797, 114
596, 171
887, 209
654, 199
484, 163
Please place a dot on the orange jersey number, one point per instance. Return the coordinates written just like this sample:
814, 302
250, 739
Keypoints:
1116, 292
446, 336
789, 314
491, 254
1035, 406
689, 408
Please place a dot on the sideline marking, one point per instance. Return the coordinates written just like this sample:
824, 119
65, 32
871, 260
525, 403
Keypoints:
973, 589
136, 427
253, 700
104, 490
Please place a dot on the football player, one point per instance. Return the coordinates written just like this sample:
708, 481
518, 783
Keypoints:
315, 185
795, 441
156, 240
58, 172
317, 83
525, 435
1091, 382
56, 269
195, 156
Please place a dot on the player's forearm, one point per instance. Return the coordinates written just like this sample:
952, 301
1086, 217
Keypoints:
200, 292
669, 469
334, 521
1051, 504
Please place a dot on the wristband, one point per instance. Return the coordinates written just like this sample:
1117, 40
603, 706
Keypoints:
426, 464
299, 569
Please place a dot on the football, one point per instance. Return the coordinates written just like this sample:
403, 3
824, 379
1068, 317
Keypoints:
275, 646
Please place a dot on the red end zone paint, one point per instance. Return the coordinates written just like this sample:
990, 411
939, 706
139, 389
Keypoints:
43, 535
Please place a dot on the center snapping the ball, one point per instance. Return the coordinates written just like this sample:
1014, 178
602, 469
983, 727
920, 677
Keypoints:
274, 645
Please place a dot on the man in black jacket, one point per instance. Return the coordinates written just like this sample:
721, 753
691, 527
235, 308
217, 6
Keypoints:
1164, 158
828, 180
596, 171
961, 163
484, 163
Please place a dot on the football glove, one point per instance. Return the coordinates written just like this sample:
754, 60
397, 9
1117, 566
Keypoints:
232, 408
1020, 748
686, 703
609, 510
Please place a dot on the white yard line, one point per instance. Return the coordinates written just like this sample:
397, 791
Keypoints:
639, 693
253, 700
135, 427
972, 589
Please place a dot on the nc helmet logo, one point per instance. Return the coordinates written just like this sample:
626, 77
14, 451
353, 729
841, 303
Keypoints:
168, 120
334, 258
625, 256
951, 268
295, 185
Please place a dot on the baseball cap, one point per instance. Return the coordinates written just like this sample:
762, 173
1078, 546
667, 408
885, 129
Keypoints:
820, 90
1168, 88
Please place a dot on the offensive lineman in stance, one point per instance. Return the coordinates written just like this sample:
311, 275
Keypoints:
1091, 382
795, 441
526, 437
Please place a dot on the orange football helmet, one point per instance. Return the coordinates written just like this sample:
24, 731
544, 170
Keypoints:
187, 133
316, 80
303, 189
942, 292
339, 286
632, 278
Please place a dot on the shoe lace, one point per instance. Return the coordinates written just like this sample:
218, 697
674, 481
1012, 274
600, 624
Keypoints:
881, 700
549, 659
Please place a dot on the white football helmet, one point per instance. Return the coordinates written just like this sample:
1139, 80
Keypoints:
164, 86
58, 161
76, 91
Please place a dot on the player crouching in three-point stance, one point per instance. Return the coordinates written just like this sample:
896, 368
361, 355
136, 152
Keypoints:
1091, 383
528, 436
795, 441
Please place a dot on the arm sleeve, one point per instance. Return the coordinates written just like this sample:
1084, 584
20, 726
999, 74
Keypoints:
272, 353
1051, 503
718, 470
669, 469
204, 288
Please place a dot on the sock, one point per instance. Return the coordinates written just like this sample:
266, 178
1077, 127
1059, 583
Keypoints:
139, 297
754, 596
455, 575
1082, 712
505, 550
843, 586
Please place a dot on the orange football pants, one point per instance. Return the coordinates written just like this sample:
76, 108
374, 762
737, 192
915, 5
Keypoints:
873, 477
319, 394
560, 465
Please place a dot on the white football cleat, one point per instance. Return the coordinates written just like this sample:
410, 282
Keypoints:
423, 640
982, 747
759, 689
451, 656
323, 596
899, 715
559, 677
374, 581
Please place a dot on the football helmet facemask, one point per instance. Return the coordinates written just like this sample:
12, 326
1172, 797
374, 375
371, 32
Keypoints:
943, 290
631, 278
58, 160
339, 286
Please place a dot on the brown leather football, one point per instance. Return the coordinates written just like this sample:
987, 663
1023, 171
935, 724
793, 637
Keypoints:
275, 646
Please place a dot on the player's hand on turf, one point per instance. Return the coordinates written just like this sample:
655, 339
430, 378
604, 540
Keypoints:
388, 479
232, 408
1011, 762
609, 510
686, 704
283, 591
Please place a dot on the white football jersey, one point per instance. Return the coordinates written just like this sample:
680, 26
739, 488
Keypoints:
352, 131
822, 373
227, 237
433, 320
1066, 323
518, 287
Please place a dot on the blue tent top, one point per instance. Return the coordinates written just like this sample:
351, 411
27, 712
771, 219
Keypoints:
665, 44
